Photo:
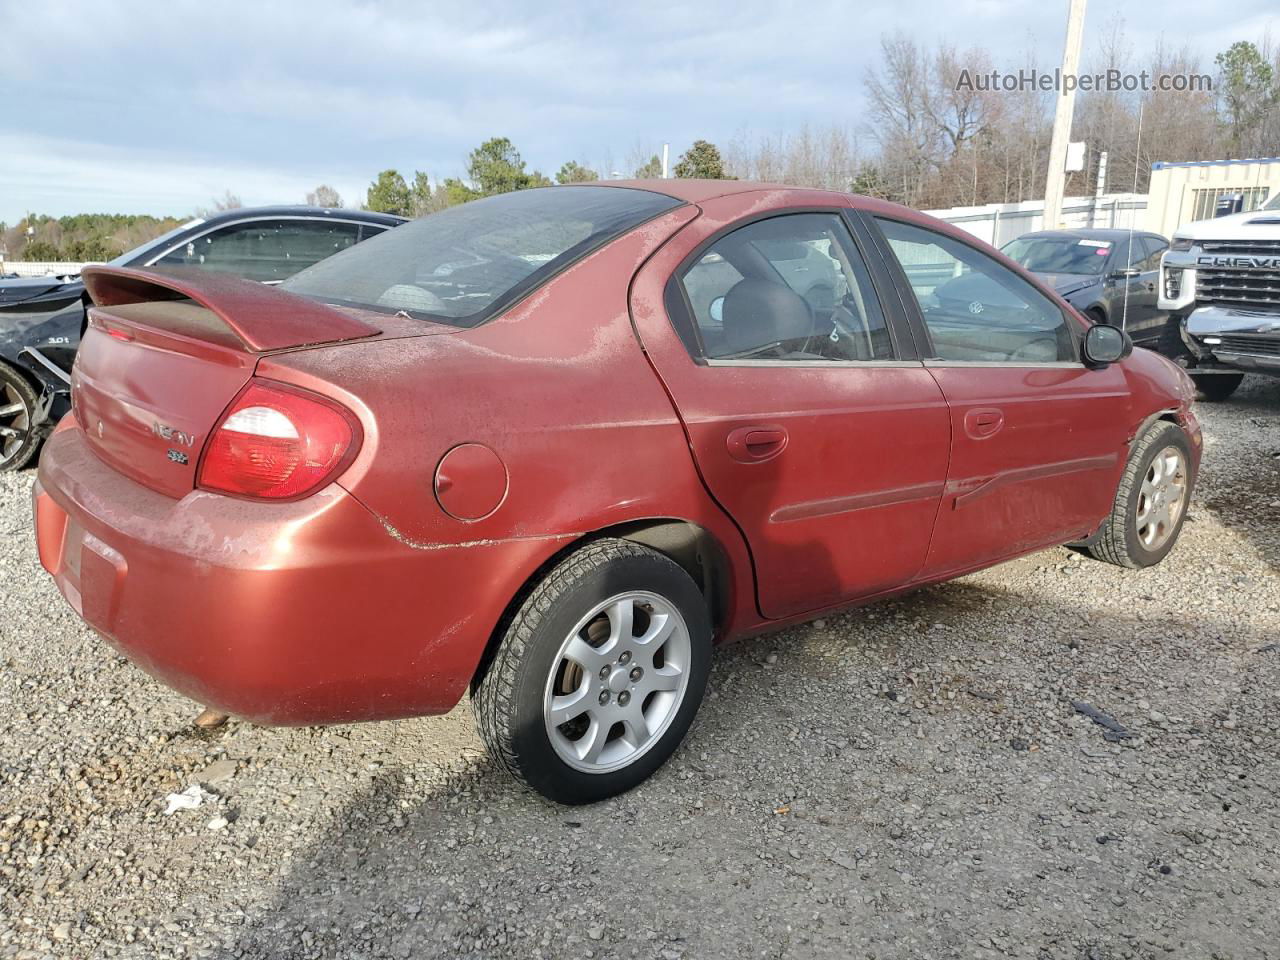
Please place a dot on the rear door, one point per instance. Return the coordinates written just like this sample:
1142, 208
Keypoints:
810, 419
1038, 439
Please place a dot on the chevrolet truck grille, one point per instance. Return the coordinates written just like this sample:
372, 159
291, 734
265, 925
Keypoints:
1244, 288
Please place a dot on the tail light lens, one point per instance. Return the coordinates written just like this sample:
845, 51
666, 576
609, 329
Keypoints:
278, 442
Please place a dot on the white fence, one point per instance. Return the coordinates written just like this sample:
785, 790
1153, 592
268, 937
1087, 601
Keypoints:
998, 223
42, 268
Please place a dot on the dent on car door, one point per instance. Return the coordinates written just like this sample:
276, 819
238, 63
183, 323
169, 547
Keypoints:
1038, 438
810, 421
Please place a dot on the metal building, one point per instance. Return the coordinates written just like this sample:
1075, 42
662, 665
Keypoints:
1182, 192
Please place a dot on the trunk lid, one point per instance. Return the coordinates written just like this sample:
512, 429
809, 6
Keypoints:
166, 352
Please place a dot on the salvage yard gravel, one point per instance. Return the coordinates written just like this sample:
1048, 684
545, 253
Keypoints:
1054, 758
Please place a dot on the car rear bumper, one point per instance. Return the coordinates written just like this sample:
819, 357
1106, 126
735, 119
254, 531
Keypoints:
292, 613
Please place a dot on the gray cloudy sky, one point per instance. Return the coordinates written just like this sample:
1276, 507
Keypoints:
157, 107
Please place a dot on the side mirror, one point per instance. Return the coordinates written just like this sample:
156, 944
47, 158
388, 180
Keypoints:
1104, 344
717, 310
1125, 273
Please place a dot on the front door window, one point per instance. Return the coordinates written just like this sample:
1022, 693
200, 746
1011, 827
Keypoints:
976, 309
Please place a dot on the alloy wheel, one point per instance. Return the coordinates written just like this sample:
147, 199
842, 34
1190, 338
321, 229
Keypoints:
1161, 498
617, 682
15, 422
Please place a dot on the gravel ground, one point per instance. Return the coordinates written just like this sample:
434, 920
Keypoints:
908, 780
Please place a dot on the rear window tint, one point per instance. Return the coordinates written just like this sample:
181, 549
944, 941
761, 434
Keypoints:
469, 262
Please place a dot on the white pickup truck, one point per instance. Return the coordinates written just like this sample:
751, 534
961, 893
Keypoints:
1220, 282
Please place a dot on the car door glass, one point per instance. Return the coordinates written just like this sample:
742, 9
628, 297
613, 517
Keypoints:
976, 309
1155, 250
787, 288
265, 250
1130, 253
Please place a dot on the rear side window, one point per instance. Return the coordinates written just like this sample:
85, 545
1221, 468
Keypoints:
976, 309
469, 262
791, 287
264, 250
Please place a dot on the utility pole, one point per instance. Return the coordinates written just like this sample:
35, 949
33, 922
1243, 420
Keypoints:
1099, 189
1056, 179
666, 156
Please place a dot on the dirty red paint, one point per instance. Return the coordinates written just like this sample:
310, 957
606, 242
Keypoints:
578, 411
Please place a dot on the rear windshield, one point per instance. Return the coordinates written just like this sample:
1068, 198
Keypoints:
467, 263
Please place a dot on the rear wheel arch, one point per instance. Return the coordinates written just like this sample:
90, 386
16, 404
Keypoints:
694, 548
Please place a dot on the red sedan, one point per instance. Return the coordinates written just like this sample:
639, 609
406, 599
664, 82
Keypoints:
551, 446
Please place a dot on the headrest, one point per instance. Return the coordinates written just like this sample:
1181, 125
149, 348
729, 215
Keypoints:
757, 312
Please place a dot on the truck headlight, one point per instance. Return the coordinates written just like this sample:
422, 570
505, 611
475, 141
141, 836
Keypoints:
1172, 282
1180, 244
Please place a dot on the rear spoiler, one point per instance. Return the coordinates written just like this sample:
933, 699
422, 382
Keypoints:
263, 317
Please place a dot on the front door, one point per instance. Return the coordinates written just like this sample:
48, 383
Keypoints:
1038, 438
810, 421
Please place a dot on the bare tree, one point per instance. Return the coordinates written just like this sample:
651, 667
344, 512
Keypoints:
909, 147
826, 158
228, 201
959, 112
324, 196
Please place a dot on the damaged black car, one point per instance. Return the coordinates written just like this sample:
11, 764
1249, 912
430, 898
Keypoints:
42, 318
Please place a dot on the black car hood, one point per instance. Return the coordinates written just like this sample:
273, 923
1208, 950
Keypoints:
1065, 284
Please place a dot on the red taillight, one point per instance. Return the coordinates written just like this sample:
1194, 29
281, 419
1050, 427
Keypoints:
277, 442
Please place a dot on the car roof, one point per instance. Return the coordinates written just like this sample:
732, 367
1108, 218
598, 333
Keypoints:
302, 210
696, 191
1113, 235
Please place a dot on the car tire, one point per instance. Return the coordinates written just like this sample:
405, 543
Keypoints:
1151, 501
1214, 387
576, 651
19, 403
